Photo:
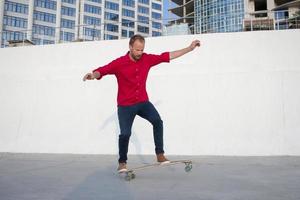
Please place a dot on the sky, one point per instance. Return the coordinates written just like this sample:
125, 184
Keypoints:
166, 6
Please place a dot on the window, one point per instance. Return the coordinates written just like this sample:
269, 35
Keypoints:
66, 36
156, 6
38, 41
155, 33
142, 19
66, 23
92, 20
15, 21
111, 5
129, 3
110, 37
111, 16
143, 29
46, 17
127, 13
127, 23
156, 15
68, 11
92, 32
43, 30
13, 35
144, 2
126, 33
45, 4
97, 1
16, 7
281, 15
69, 1
112, 27
92, 9
142, 9
156, 25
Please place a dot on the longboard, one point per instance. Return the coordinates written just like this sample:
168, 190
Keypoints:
130, 173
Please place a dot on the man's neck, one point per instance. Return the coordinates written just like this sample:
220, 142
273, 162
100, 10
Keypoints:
131, 57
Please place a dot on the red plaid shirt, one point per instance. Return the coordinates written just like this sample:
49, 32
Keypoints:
132, 76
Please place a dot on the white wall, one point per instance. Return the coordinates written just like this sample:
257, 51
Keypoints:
238, 94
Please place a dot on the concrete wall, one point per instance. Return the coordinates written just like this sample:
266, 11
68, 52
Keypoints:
236, 95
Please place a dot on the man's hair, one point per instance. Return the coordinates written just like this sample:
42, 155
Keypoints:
135, 38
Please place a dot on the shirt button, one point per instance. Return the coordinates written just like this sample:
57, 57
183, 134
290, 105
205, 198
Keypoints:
137, 91
136, 76
137, 69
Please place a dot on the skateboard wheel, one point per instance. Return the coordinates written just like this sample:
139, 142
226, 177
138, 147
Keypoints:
132, 176
188, 168
129, 176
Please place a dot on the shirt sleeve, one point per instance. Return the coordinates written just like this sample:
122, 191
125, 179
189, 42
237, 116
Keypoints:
110, 68
157, 59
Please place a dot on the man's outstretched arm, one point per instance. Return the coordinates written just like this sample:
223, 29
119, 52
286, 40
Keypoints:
178, 53
103, 70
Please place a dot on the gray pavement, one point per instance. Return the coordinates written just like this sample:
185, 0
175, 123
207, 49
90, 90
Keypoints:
94, 177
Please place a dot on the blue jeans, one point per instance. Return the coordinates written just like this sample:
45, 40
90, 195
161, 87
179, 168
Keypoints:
126, 115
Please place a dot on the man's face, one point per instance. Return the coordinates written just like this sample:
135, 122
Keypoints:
137, 49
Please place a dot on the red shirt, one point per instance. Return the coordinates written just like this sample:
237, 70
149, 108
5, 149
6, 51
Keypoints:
132, 76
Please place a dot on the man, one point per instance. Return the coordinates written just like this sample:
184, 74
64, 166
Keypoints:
131, 71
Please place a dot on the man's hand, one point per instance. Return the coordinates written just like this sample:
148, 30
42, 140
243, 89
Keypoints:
195, 43
92, 76
89, 76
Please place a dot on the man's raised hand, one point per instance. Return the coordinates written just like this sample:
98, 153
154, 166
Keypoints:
195, 43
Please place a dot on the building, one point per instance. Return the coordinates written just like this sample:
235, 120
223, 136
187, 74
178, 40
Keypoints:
287, 15
272, 14
55, 21
219, 16
212, 16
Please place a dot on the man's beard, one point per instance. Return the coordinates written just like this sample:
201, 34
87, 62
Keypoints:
135, 57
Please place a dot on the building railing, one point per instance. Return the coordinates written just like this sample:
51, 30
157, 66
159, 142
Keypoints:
263, 20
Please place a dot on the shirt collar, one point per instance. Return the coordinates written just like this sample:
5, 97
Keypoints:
128, 57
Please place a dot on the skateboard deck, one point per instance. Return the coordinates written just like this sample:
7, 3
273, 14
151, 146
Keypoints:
130, 173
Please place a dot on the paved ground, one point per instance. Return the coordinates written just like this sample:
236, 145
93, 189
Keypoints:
93, 177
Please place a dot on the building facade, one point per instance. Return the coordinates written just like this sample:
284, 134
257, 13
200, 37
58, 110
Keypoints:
213, 16
55, 21
219, 15
271, 14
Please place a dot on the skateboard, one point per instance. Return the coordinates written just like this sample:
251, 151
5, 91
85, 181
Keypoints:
130, 173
